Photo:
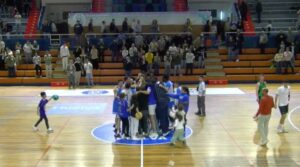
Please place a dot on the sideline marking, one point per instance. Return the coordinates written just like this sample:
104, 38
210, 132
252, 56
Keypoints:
290, 120
142, 153
53, 141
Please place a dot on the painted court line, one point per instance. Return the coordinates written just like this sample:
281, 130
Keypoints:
53, 141
236, 144
142, 153
290, 119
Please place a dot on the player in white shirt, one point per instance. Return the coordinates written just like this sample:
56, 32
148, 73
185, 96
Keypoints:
282, 100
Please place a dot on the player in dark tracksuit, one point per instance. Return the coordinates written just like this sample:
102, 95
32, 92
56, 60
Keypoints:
162, 108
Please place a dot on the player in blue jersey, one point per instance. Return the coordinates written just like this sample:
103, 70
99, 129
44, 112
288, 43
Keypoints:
123, 113
42, 113
117, 92
183, 99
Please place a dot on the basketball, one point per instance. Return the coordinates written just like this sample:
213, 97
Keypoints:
138, 115
55, 97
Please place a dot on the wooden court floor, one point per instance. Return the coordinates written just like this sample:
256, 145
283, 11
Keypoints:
227, 137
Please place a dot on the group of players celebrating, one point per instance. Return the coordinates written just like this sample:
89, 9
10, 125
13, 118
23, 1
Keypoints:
146, 107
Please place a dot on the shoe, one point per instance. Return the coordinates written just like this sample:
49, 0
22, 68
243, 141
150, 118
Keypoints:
50, 130
197, 113
117, 136
172, 144
166, 134
34, 128
184, 143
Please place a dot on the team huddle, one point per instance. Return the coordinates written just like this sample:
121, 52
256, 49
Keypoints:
145, 107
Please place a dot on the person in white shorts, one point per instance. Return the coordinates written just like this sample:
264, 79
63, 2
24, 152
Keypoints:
282, 99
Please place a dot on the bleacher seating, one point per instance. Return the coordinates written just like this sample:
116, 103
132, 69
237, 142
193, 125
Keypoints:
249, 67
281, 13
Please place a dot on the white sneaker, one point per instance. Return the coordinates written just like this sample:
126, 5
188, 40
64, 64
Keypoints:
34, 128
50, 130
279, 129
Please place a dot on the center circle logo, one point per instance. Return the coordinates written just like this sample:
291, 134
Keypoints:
105, 134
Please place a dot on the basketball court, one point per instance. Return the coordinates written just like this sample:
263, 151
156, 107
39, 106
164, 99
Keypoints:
82, 122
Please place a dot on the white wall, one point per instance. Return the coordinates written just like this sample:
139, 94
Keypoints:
219, 5
44, 2
55, 11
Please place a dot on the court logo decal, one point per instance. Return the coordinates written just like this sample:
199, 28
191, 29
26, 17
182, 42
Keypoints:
77, 108
105, 134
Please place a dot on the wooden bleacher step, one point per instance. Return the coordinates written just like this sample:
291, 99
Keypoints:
213, 65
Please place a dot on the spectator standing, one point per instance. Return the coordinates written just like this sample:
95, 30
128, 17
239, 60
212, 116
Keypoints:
231, 46
94, 57
149, 60
125, 52
10, 62
2, 59
35, 47
37, 65
90, 26
189, 62
188, 25
278, 60
287, 57
138, 27
239, 41
101, 49
139, 40
244, 10
77, 52
298, 20
27, 48
125, 27
78, 71
88, 67
177, 63
71, 74
156, 64
103, 28
161, 46
133, 53
269, 27
18, 18
258, 9
127, 66
18, 54
64, 54
114, 47
78, 28
48, 64
167, 64
112, 27
263, 41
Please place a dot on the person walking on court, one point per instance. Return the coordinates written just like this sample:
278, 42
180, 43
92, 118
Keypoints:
261, 84
201, 88
179, 130
88, 67
282, 100
41, 111
263, 116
